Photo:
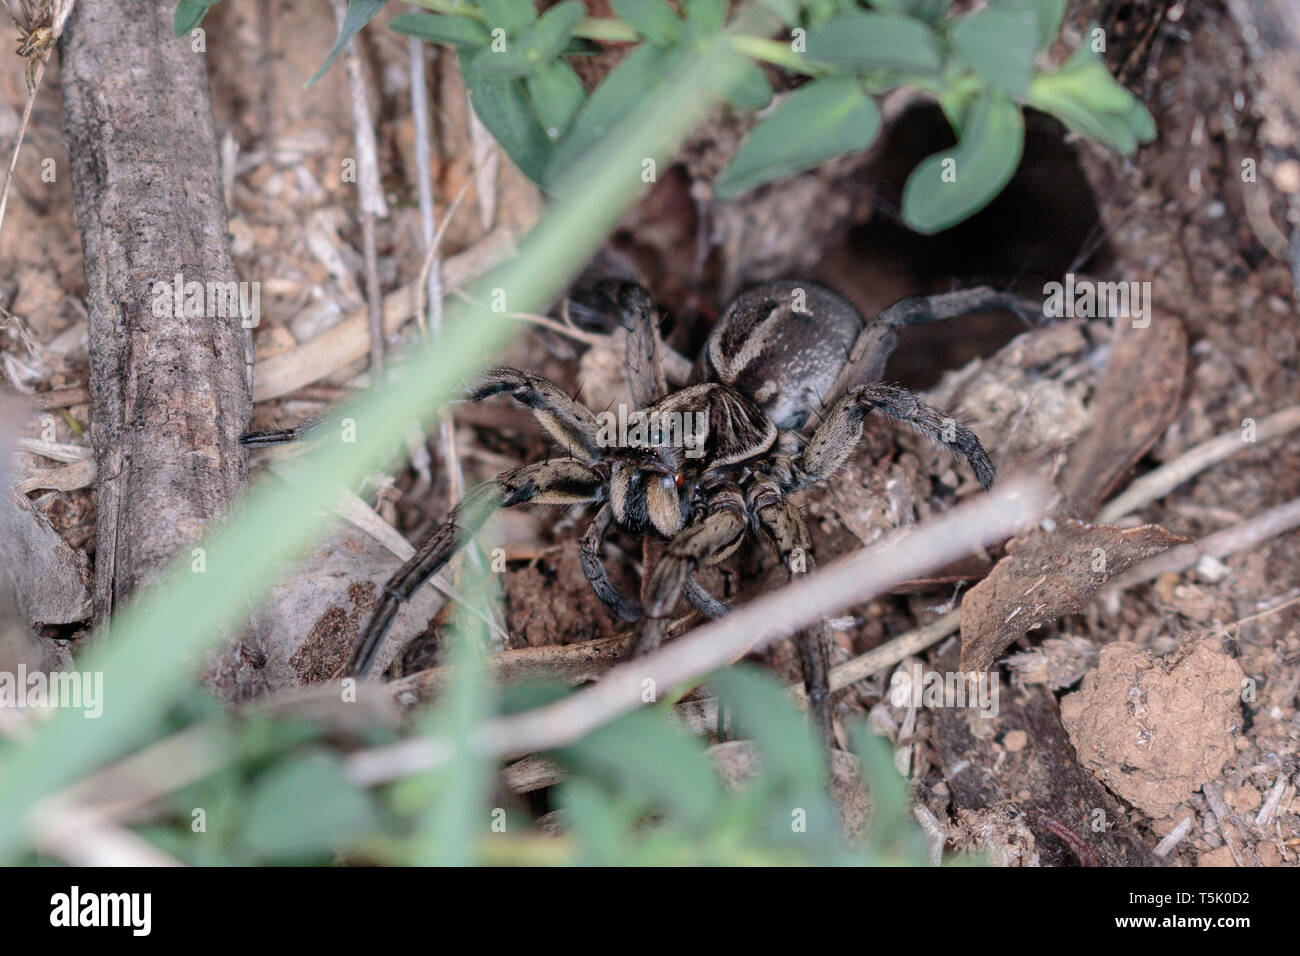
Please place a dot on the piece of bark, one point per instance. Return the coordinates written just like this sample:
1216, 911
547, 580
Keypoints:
1046, 575
169, 394
1134, 403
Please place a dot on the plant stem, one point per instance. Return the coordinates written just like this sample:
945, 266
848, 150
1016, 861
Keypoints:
778, 52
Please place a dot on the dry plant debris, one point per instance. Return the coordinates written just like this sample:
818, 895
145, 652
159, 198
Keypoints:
1046, 574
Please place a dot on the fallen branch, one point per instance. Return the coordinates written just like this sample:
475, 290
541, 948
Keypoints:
169, 392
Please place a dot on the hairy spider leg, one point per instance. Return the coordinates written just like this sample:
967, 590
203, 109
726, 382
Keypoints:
561, 481
570, 423
594, 569
866, 359
788, 532
841, 430
712, 539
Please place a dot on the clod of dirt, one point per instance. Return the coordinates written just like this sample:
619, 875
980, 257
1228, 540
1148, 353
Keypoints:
1156, 730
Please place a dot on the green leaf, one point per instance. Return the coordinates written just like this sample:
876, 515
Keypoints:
928, 10
643, 753
540, 44
876, 41
189, 14
1085, 79
1048, 15
787, 11
819, 121
999, 45
640, 71
513, 16
360, 12
505, 110
948, 187
752, 90
460, 32
304, 807
887, 787
763, 711
599, 823
149, 664
708, 15
557, 95
457, 814
653, 19
1084, 96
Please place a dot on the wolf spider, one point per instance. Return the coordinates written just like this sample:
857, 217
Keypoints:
783, 357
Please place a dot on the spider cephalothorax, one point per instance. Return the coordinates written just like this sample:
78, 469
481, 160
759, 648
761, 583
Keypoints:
787, 378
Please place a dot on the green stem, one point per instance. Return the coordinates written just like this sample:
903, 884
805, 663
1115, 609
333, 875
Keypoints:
609, 29
778, 52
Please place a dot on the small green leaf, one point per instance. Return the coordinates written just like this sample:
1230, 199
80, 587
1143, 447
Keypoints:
557, 95
948, 187
189, 14
764, 712
503, 106
819, 121
642, 753
360, 12
890, 826
876, 41
304, 807
600, 825
539, 45
708, 15
1084, 96
787, 11
928, 10
653, 19
640, 71
1048, 15
999, 45
751, 90
513, 16
1085, 79
460, 32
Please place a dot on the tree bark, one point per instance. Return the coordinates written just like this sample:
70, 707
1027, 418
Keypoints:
169, 393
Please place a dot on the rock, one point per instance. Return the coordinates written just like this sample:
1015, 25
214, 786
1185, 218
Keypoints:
1156, 730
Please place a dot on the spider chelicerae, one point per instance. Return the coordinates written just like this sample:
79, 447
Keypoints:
785, 380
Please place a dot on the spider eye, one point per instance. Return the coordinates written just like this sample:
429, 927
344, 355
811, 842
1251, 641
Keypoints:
679, 479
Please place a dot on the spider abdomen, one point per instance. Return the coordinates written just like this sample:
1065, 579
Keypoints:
782, 345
